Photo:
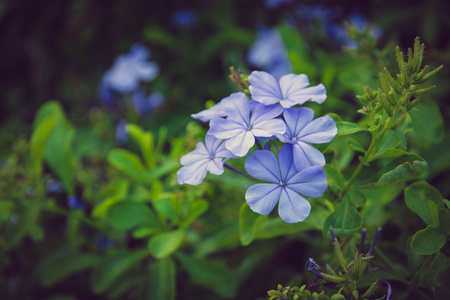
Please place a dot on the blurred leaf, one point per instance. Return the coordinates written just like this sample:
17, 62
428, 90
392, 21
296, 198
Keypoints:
334, 177
355, 145
418, 194
127, 281
434, 214
440, 263
144, 231
162, 280
164, 244
125, 215
62, 263
357, 198
403, 173
427, 123
389, 141
167, 167
345, 128
196, 209
211, 274
159, 36
127, 162
249, 223
345, 219
444, 220
391, 152
38, 141
111, 267
120, 189
225, 238
166, 206
145, 142
5, 210
401, 138
428, 241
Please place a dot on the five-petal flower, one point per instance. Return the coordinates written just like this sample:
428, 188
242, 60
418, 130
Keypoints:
292, 89
286, 184
240, 127
208, 157
302, 130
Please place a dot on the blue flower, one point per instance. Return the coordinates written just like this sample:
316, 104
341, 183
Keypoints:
144, 105
74, 202
290, 90
121, 132
286, 184
183, 18
107, 95
269, 53
130, 69
209, 157
276, 3
54, 186
303, 130
242, 126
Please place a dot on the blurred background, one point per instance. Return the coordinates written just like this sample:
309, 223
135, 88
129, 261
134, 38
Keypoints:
69, 50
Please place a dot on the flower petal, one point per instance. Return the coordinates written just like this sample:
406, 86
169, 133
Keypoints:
292, 83
263, 165
214, 111
306, 156
264, 88
225, 129
200, 152
316, 93
194, 173
237, 108
293, 207
321, 130
263, 197
311, 182
285, 159
297, 118
241, 143
264, 112
269, 128
215, 166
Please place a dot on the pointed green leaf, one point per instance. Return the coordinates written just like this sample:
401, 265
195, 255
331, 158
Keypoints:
418, 194
38, 141
164, 244
345, 128
345, 219
125, 215
402, 173
127, 162
357, 198
428, 241
196, 209
249, 224
355, 145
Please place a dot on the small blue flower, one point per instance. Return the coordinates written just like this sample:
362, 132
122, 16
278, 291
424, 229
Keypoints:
291, 89
276, 3
302, 130
242, 126
144, 105
130, 69
286, 184
121, 132
208, 157
54, 186
183, 18
105, 243
74, 202
107, 95
269, 53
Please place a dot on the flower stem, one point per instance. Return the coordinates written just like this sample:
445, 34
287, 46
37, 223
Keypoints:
235, 171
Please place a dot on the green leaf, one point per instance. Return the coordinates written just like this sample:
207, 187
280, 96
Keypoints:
447, 203
389, 141
391, 152
345, 128
164, 244
120, 190
444, 225
196, 209
125, 215
355, 145
334, 177
62, 263
127, 162
427, 123
167, 167
211, 274
345, 219
418, 194
403, 173
401, 138
145, 142
225, 238
434, 214
38, 141
249, 224
162, 280
428, 241
357, 198
111, 267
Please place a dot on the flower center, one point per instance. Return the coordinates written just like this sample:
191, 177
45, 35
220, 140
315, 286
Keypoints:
283, 183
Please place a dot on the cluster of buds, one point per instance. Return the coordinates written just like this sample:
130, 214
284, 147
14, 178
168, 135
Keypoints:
347, 278
404, 92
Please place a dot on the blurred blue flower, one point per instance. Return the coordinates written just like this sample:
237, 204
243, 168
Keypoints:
240, 127
286, 184
290, 90
302, 130
74, 202
276, 3
340, 33
143, 104
54, 186
128, 71
121, 132
183, 18
208, 157
105, 243
269, 53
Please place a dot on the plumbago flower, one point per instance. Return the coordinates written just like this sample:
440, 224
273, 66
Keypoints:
241, 127
208, 157
290, 90
303, 130
286, 184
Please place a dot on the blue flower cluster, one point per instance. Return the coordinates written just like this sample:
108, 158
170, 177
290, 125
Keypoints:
237, 123
125, 78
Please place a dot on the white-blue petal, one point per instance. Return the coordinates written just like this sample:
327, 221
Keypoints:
296, 119
263, 165
306, 156
240, 144
321, 130
263, 197
264, 88
292, 207
225, 129
310, 182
